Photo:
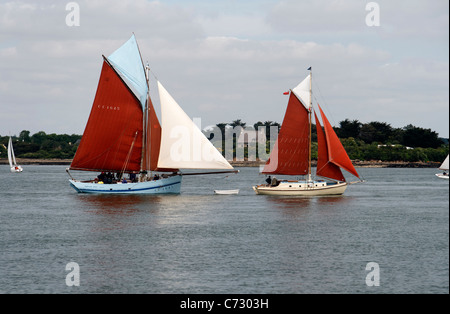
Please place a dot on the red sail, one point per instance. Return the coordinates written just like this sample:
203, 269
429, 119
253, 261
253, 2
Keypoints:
154, 140
324, 167
336, 152
290, 155
112, 139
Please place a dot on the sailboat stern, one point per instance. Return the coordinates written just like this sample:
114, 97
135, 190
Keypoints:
169, 185
302, 188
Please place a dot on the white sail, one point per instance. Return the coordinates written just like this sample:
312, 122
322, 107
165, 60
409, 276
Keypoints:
183, 145
444, 165
11, 157
303, 91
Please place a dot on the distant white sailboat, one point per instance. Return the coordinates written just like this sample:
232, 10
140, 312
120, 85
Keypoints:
444, 167
12, 159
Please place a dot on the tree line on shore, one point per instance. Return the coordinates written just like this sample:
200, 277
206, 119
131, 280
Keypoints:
363, 141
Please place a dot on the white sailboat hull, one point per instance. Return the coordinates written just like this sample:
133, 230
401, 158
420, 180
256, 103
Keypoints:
302, 188
16, 169
171, 185
442, 176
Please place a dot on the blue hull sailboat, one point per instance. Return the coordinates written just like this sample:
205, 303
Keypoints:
126, 143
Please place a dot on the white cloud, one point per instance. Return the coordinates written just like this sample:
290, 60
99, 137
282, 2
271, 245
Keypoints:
317, 16
224, 61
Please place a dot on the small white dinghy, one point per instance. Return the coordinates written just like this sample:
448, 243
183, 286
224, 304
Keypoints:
226, 192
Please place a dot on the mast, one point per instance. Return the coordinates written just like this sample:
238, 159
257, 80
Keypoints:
310, 122
144, 128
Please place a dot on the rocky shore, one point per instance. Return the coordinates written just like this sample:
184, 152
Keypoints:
26, 161
367, 164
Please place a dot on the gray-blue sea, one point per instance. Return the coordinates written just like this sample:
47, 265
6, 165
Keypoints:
201, 243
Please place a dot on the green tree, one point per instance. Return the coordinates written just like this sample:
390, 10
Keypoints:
39, 137
25, 136
349, 128
376, 132
238, 122
419, 137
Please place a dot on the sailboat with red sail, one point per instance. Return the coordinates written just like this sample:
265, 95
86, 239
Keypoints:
291, 154
124, 140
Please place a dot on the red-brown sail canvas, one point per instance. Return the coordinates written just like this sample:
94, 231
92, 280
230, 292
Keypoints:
154, 140
336, 152
325, 168
112, 139
290, 155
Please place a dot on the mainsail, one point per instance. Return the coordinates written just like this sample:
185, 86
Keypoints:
11, 156
112, 139
290, 153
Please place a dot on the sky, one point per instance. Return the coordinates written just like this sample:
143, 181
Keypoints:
224, 60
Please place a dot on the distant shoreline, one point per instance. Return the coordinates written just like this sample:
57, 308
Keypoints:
358, 164
361, 164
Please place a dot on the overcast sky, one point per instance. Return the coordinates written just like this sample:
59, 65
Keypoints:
224, 60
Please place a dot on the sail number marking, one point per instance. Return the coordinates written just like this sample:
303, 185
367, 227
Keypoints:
108, 107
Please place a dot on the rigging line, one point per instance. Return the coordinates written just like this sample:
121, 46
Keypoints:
150, 71
324, 101
127, 160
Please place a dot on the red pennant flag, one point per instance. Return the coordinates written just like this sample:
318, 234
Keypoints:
286, 93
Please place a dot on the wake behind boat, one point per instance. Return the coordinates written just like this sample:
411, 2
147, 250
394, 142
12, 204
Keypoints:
124, 140
291, 154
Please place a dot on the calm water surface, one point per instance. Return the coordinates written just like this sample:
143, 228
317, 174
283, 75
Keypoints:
198, 242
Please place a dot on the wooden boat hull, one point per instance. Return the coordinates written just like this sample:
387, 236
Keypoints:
302, 188
171, 185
